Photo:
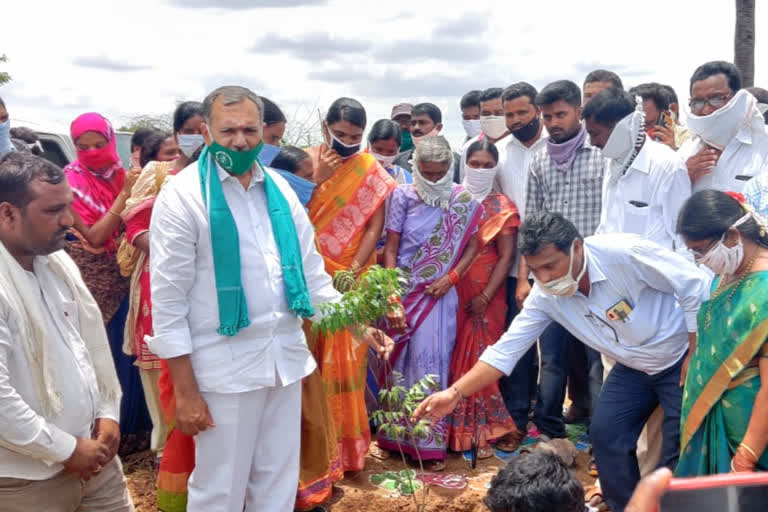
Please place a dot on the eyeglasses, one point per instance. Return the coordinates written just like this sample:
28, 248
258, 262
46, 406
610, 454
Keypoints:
701, 253
714, 102
604, 326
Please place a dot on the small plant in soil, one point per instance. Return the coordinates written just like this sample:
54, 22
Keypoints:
398, 404
365, 301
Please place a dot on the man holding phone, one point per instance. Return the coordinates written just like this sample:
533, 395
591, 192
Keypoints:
624, 296
729, 144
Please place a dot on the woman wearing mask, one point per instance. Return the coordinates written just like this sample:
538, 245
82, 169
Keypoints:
295, 165
274, 129
431, 229
347, 210
100, 187
6, 146
162, 155
724, 417
384, 142
482, 304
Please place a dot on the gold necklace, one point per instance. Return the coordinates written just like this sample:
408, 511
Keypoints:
708, 316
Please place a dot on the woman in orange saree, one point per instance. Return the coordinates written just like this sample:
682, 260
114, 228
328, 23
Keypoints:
482, 305
347, 210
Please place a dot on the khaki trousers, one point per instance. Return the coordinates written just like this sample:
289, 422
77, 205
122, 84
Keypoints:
65, 492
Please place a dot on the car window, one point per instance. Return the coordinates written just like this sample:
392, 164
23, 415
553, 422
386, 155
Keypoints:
53, 152
124, 148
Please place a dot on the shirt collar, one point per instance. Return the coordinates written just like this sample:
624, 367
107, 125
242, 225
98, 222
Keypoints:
256, 177
642, 162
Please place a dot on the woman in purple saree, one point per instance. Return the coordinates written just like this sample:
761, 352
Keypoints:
431, 228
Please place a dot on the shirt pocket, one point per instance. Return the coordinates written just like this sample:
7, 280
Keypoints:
633, 332
636, 216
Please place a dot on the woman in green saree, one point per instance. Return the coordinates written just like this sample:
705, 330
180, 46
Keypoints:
724, 423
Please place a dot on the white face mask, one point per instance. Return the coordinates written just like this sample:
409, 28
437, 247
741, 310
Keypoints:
722, 259
479, 182
721, 126
189, 143
493, 126
471, 127
385, 161
434, 193
564, 286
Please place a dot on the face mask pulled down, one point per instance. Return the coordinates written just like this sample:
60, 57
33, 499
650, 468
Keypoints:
564, 286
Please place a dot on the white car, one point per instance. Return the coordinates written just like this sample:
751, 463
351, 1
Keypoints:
59, 149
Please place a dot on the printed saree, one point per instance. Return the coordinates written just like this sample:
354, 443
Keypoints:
482, 416
432, 241
339, 209
723, 378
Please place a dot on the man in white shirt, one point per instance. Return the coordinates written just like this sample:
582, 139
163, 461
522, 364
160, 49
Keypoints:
624, 296
492, 123
523, 119
59, 394
646, 183
470, 121
236, 370
729, 144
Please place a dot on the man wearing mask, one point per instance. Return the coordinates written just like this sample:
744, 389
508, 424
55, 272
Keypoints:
6, 146
629, 299
401, 114
681, 131
426, 120
729, 144
598, 80
236, 368
659, 123
644, 190
523, 120
565, 176
492, 122
470, 121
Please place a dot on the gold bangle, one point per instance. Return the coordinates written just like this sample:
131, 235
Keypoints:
750, 450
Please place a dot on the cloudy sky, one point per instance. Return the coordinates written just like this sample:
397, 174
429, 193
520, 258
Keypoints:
140, 57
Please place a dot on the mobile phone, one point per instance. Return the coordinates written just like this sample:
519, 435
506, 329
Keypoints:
735, 492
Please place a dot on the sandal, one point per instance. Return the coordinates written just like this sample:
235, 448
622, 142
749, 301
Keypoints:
379, 453
593, 497
434, 466
485, 452
510, 442
592, 471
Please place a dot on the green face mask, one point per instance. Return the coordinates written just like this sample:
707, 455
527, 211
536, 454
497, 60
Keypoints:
234, 162
407, 142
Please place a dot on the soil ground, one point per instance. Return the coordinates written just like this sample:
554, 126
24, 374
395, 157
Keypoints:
357, 494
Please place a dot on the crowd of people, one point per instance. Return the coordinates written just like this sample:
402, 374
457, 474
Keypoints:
581, 242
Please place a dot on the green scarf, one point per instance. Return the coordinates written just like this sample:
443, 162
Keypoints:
233, 310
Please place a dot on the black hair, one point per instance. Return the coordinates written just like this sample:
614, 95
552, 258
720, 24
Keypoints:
184, 112
561, 90
138, 137
18, 170
520, 89
289, 158
609, 106
491, 94
536, 482
671, 94
546, 228
151, 146
272, 113
717, 67
603, 75
708, 214
482, 145
385, 129
429, 109
762, 97
346, 109
653, 91
470, 99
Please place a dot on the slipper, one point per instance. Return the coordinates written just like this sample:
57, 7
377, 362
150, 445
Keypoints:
592, 471
510, 442
434, 465
593, 498
379, 453
485, 453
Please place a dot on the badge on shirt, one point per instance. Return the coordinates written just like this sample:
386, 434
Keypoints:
619, 311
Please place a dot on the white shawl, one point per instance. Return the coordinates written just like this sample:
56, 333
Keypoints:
15, 287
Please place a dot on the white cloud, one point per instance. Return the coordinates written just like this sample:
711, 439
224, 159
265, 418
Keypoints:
143, 56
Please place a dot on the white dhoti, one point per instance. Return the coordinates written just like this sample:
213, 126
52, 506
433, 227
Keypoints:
250, 460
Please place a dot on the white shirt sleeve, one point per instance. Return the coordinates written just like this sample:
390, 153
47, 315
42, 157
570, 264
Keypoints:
21, 429
669, 272
521, 335
173, 250
677, 186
